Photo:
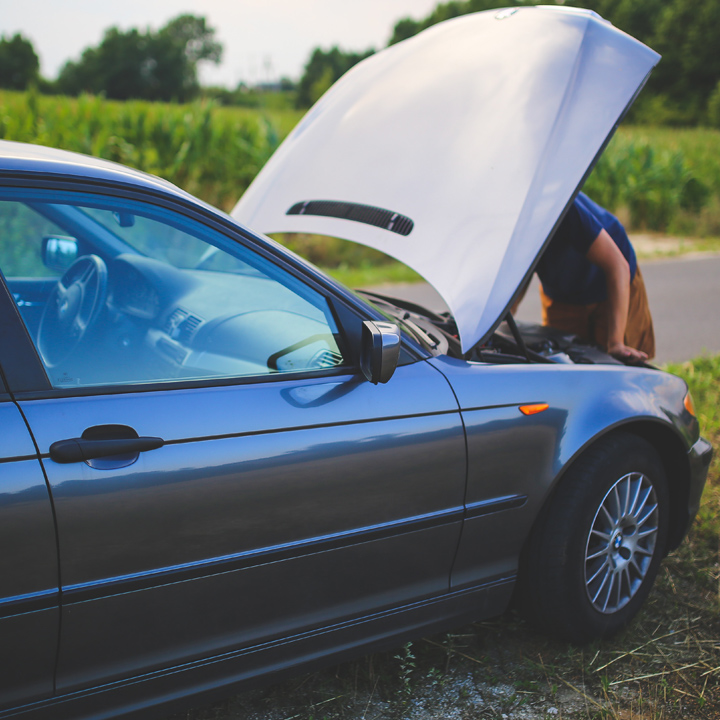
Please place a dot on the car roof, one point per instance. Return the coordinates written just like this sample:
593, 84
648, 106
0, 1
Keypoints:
21, 158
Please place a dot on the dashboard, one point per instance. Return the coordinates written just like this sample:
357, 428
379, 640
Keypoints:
191, 323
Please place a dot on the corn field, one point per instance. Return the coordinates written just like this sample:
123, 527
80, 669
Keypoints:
210, 151
661, 180
657, 179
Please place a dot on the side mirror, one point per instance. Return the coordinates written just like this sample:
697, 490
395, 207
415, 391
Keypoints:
380, 350
59, 252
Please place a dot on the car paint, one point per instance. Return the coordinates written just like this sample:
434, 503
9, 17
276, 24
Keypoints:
521, 457
263, 487
286, 521
29, 600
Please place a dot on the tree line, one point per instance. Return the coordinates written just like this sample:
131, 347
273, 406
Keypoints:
683, 90
147, 65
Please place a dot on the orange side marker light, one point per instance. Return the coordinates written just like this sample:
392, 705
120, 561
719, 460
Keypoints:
534, 408
689, 404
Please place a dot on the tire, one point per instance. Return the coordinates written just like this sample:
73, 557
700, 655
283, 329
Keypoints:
595, 550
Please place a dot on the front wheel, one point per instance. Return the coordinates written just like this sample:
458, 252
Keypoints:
595, 550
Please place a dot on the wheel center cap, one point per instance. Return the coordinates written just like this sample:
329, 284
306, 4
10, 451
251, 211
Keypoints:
617, 542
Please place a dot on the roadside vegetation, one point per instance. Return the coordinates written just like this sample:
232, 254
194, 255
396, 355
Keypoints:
211, 151
659, 181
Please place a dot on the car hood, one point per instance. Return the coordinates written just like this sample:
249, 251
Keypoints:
457, 151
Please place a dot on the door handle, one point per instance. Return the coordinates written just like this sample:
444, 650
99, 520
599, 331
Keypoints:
81, 449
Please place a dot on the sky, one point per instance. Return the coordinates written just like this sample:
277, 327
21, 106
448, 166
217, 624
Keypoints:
263, 40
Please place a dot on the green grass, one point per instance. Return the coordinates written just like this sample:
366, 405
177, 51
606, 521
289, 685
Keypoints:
703, 378
352, 264
368, 275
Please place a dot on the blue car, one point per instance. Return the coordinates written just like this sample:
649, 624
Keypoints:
219, 465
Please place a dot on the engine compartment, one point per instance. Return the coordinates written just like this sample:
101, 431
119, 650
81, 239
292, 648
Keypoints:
511, 343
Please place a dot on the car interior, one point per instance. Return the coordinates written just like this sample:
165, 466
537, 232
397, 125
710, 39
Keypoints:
110, 296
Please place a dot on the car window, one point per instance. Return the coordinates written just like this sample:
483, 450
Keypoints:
155, 239
21, 232
151, 295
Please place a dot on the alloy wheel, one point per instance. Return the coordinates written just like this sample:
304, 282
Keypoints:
621, 542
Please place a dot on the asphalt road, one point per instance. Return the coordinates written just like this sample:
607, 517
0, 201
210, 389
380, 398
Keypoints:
684, 296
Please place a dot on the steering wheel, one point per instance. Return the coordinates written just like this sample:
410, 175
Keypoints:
72, 308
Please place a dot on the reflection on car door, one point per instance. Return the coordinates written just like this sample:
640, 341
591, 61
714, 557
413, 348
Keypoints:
29, 604
273, 508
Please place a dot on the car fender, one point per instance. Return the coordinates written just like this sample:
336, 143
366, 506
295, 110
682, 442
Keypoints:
511, 454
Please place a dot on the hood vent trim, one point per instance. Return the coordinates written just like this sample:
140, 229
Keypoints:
367, 214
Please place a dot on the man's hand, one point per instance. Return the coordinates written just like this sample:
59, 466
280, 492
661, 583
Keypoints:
627, 354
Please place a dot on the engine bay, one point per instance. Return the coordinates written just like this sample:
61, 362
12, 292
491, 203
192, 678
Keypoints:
511, 343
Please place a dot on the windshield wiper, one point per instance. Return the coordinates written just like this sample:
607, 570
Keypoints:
424, 337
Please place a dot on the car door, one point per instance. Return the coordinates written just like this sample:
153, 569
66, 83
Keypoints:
258, 486
29, 601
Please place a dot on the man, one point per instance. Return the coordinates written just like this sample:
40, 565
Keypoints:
592, 286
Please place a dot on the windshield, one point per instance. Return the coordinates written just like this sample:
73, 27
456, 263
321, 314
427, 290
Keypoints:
151, 238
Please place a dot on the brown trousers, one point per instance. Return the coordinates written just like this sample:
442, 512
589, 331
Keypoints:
590, 322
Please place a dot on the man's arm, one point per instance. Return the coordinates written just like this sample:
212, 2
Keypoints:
607, 256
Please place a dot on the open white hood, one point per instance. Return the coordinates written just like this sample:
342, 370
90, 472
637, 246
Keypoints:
473, 136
